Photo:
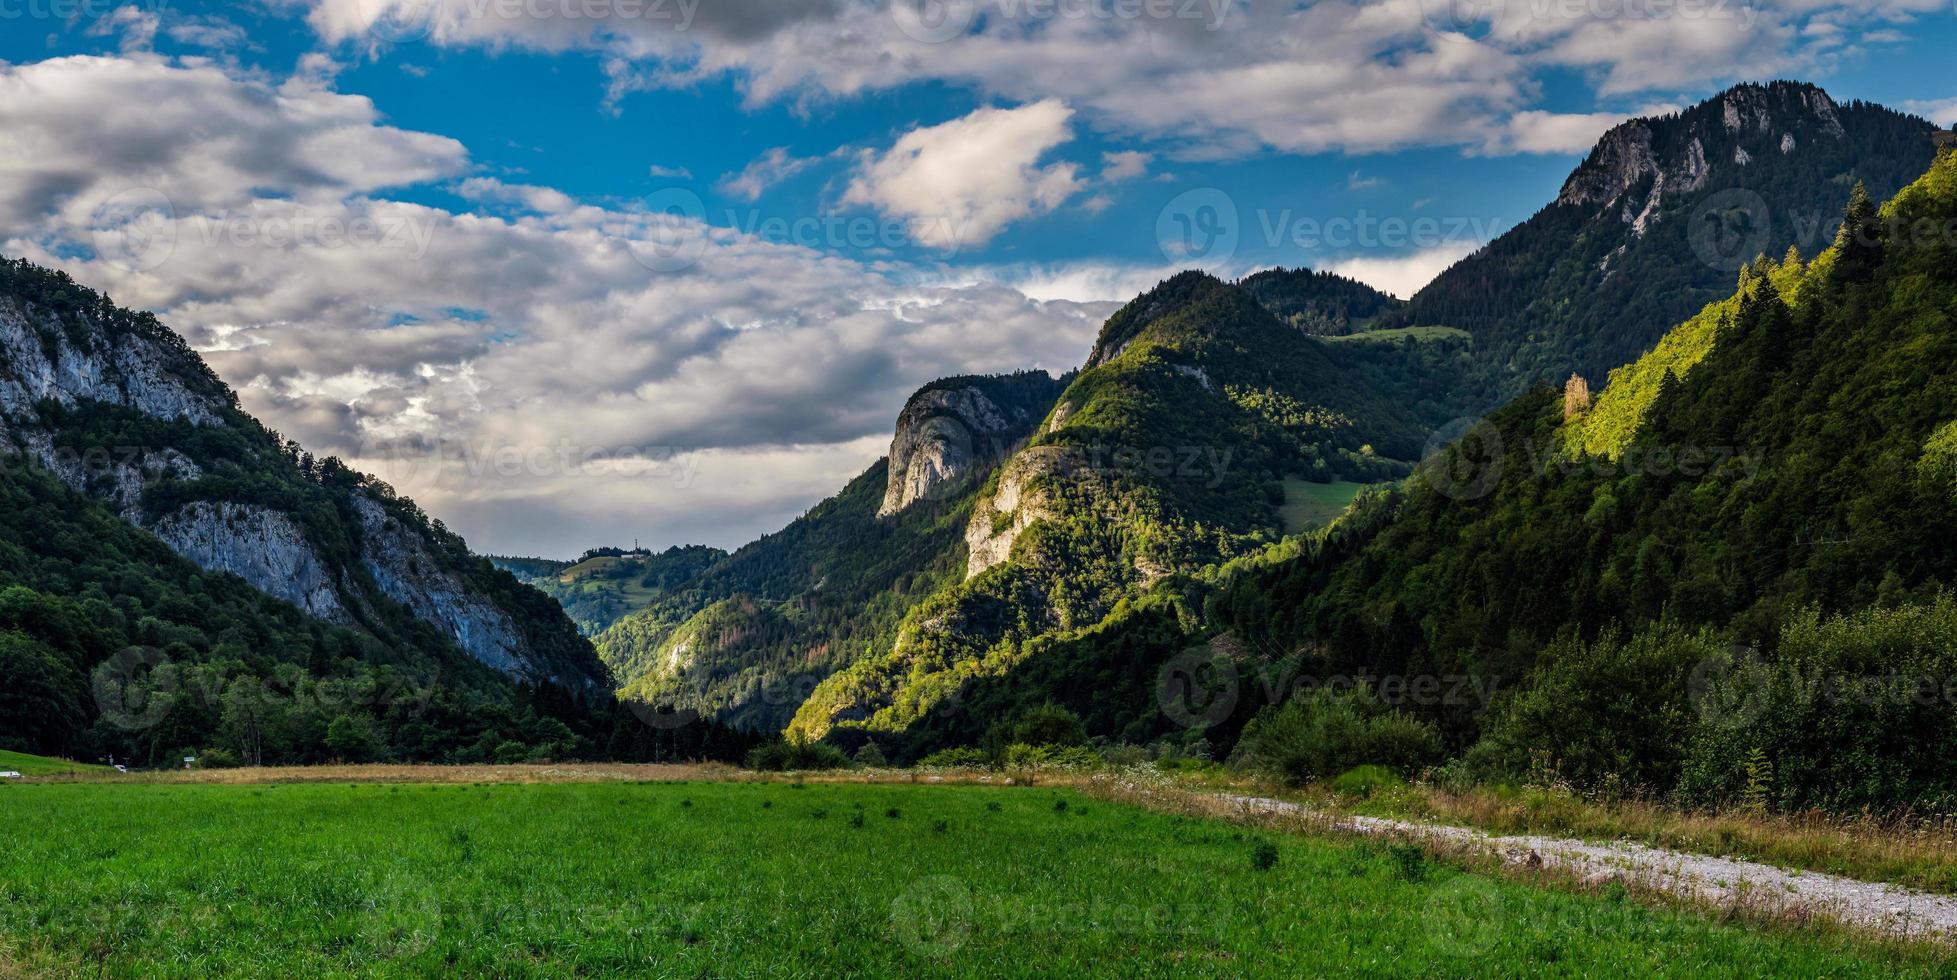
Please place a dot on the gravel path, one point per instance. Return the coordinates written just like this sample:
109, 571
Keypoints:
1720, 881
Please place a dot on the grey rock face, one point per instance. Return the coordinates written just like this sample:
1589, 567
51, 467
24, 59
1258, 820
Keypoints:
398, 559
41, 361
943, 436
257, 544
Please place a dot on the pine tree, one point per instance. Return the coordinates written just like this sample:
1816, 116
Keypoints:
1859, 242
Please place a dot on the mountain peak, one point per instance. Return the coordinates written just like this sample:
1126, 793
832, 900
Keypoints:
1677, 151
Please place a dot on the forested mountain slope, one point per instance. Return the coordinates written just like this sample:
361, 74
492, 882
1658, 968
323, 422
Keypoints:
1654, 223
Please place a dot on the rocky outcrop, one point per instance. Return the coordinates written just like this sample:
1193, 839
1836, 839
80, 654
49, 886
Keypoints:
262, 546
1620, 161
953, 430
398, 558
1021, 497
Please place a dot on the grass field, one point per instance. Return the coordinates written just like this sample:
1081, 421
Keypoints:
34, 765
744, 879
1308, 505
1401, 333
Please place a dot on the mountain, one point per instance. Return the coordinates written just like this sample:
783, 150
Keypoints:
1198, 415
607, 584
1726, 579
158, 539
1655, 222
754, 633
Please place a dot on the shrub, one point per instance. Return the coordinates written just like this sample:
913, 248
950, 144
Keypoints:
216, 759
796, 754
1364, 781
959, 758
1600, 713
1050, 724
1263, 857
353, 738
1329, 732
871, 756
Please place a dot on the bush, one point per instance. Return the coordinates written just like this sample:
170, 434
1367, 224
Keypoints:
796, 754
353, 738
871, 756
1365, 781
1329, 732
1050, 724
1602, 714
216, 759
1850, 712
959, 758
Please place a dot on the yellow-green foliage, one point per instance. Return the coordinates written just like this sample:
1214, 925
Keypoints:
1613, 421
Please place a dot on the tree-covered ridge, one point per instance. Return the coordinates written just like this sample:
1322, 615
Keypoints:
607, 584
760, 628
112, 645
1650, 227
1166, 455
1323, 304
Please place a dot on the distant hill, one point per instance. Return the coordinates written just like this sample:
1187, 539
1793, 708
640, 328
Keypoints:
601, 589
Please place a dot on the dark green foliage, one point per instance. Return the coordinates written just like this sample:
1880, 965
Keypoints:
1264, 856
1049, 724
1326, 733
795, 755
1318, 303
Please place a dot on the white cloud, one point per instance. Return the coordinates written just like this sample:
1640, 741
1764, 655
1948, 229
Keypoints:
1357, 181
1404, 275
764, 172
754, 380
1216, 79
1943, 112
1123, 165
670, 173
962, 182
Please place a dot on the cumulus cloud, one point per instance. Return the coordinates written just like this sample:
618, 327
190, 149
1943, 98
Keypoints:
1216, 78
544, 374
1403, 275
962, 182
764, 172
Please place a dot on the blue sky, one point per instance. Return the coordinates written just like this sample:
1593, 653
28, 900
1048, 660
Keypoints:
845, 201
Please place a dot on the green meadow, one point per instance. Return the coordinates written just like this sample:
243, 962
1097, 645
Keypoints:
776, 879
34, 765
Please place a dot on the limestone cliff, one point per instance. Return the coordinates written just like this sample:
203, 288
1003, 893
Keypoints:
117, 407
953, 430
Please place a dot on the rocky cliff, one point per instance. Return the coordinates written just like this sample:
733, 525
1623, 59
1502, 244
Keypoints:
954, 429
117, 407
